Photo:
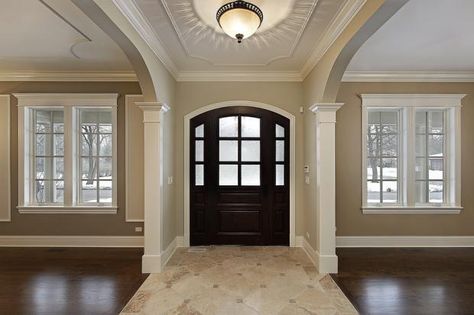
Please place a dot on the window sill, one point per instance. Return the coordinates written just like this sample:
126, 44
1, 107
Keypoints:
67, 210
412, 210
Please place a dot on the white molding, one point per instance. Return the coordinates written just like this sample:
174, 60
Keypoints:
337, 26
156, 263
67, 99
216, 76
70, 76
6, 217
66, 210
408, 76
324, 263
291, 117
412, 210
412, 100
405, 241
70, 241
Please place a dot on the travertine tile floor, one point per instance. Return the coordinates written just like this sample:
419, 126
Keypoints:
239, 280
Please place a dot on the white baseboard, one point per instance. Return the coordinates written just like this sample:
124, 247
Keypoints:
151, 263
405, 241
70, 241
324, 263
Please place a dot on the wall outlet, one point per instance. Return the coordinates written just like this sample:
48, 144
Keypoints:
307, 235
139, 229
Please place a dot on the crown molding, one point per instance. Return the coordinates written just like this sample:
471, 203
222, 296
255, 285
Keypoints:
70, 76
408, 76
268, 76
335, 28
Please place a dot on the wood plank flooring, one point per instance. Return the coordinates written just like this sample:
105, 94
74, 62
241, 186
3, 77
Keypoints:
68, 281
408, 281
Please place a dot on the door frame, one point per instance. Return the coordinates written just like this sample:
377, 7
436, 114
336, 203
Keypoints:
201, 110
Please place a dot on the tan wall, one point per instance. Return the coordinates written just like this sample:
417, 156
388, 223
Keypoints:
35, 224
193, 95
349, 219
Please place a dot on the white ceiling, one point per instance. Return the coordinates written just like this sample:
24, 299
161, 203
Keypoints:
35, 39
188, 40
424, 35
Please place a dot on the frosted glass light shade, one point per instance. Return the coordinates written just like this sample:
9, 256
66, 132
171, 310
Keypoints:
239, 19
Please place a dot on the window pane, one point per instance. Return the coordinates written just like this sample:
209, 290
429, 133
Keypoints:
421, 192
373, 191
199, 131
435, 145
59, 191
250, 127
279, 131
373, 141
59, 168
58, 121
390, 191
199, 175
436, 192
105, 145
228, 175
43, 120
199, 148
105, 117
228, 151
280, 175
105, 195
420, 168
436, 168
420, 122
41, 144
88, 144
420, 145
390, 170
89, 191
389, 145
250, 151
250, 175
40, 191
88, 168
58, 144
436, 121
389, 122
105, 168
43, 168
228, 126
373, 169
280, 151
373, 120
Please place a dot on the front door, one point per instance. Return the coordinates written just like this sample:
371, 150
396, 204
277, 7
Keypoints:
239, 177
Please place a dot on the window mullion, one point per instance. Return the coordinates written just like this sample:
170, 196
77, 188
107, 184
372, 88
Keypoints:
69, 161
409, 160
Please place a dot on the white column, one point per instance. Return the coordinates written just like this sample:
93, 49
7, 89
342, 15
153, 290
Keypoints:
326, 184
153, 170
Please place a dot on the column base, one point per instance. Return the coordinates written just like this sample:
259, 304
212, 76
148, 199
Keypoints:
151, 264
327, 263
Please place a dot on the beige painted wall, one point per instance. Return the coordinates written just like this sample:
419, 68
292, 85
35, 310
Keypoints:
193, 95
349, 219
31, 224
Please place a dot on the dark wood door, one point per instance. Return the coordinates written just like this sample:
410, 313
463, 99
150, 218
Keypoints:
239, 177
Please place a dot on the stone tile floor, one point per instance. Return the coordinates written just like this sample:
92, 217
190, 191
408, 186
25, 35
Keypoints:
239, 280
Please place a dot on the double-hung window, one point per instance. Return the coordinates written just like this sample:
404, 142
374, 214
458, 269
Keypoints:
411, 153
67, 153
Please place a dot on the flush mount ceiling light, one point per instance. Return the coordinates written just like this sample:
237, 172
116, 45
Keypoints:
239, 19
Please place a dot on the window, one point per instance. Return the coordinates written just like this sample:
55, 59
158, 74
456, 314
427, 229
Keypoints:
411, 153
67, 147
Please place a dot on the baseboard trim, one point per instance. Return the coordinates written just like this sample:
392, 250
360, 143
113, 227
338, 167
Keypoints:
405, 241
70, 241
324, 263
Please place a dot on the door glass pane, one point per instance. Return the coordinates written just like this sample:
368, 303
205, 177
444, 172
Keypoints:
373, 191
280, 175
250, 151
280, 151
199, 175
250, 127
229, 126
250, 175
228, 151
436, 192
390, 191
390, 170
199, 131
279, 131
228, 175
199, 150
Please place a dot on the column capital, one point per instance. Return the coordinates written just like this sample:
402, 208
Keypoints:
152, 111
325, 107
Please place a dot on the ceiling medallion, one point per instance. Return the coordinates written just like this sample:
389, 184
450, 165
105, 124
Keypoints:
239, 19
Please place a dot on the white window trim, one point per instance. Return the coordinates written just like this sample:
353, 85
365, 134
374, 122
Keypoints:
68, 101
407, 104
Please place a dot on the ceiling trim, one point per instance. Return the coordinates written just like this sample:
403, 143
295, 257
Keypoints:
408, 76
283, 76
70, 76
336, 27
135, 16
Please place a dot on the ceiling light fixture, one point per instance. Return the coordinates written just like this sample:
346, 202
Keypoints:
239, 19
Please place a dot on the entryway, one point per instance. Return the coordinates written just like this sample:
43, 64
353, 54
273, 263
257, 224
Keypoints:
239, 177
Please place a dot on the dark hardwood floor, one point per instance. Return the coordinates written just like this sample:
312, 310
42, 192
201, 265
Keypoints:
68, 280
408, 281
